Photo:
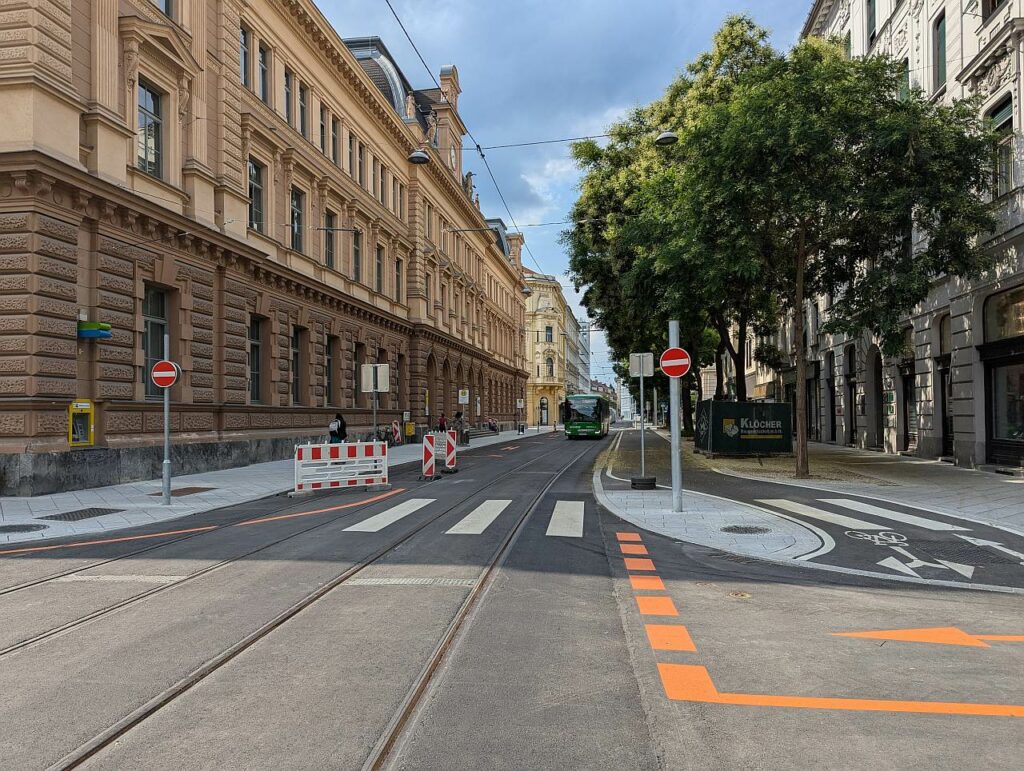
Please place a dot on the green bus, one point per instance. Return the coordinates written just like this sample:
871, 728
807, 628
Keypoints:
586, 415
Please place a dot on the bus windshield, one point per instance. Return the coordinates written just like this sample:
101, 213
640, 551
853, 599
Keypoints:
582, 410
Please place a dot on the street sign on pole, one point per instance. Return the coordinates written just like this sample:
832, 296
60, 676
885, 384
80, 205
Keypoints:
165, 374
675, 362
642, 365
375, 378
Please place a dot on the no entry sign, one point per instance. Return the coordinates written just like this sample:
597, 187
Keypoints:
164, 374
675, 362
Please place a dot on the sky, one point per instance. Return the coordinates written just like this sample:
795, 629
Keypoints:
549, 69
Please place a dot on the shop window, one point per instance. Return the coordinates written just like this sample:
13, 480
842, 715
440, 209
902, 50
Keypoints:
1004, 315
1008, 402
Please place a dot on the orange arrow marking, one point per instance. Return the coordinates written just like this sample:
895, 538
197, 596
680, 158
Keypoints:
939, 635
688, 682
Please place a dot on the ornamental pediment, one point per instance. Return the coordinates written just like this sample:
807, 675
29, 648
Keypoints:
162, 40
995, 64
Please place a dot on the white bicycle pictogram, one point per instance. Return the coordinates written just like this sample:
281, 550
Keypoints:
878, 539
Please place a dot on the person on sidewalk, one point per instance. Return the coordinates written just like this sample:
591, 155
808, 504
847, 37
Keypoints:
338, 429
442, 422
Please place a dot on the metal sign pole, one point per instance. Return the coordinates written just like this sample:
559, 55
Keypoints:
374, 403
167, 428
643, 453
674, 427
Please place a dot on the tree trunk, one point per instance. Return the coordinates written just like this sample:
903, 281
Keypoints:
739, 359
802, 466
719, 371
687, 407
699, 378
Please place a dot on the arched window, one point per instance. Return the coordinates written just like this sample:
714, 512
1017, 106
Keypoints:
549, 364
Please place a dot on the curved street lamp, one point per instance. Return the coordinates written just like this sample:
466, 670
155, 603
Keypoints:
666, 138
418, 157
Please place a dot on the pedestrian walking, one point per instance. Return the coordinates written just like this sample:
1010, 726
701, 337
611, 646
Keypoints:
338, 429
442, 422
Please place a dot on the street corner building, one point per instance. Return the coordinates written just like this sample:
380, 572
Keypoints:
278, 200
957, 389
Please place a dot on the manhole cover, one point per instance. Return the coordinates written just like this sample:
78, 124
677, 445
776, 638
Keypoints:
77, 514
178, 492
21, 528
745, 529
739, 595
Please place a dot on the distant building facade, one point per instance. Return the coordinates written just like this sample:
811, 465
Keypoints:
553, 345
956, 389
235, 175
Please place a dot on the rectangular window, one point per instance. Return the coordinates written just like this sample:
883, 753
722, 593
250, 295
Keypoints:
255, 359
151, 130
245, 56
399, 296
330, 350
401, 202
304, 110
298, 201
872, 21
394, 195
361, 177
379, 278
988, 7
154, 327
296, 365
289, 115
351, 155
939, 51
256, 206
165, 6
429, 281
549, 335
323, 129
1002, 123
357, 256
264, 74
329, 234
1008, 402
382, 185
335, 134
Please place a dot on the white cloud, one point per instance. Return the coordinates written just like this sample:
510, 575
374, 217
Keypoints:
549, 185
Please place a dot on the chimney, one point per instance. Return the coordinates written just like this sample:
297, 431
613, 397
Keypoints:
515, 248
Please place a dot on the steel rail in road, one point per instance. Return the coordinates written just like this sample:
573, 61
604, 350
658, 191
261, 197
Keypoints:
89, 748
385, 748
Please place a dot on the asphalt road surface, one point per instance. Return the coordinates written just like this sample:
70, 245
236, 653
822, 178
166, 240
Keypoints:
496, 618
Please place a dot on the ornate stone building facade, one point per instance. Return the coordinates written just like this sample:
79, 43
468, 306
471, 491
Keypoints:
957, 390
238, 176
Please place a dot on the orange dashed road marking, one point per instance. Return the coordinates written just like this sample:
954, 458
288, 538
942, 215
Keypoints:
688, 682
652, 583
100, 542
669, 637
628, 536
633, 548
656, 606
352, 505
638, 563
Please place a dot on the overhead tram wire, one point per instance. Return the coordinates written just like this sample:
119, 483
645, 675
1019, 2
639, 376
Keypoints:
478, 146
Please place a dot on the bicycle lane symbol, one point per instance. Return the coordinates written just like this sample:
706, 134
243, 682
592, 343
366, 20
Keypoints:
893, 541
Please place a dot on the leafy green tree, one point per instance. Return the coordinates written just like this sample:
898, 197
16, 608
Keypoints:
824, 180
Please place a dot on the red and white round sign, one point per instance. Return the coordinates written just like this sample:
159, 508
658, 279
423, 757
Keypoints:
165, 374
675, 362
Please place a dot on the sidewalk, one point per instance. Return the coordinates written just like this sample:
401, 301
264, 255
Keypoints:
706, 520
930, 485
138, 503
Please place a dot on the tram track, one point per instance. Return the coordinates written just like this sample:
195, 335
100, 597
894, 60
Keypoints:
211, 665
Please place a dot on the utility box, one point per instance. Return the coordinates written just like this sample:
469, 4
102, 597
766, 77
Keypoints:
81, 423
744, 428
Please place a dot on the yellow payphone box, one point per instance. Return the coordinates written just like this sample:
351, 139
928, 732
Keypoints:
81, 423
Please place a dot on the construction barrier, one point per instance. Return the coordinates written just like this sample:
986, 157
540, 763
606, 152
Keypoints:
429, 456
450, 450
327, 466
396, 432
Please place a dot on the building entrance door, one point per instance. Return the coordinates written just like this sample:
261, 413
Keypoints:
946, 379
830, 401
544, 411
851, 410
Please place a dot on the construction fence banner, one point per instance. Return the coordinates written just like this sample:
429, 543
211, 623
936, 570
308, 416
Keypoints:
329, 466
744, 428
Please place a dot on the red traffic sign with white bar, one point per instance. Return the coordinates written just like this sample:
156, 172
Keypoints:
675, 362
165, 373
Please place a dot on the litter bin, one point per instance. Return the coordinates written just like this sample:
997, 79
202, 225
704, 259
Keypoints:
522, 428
464, 437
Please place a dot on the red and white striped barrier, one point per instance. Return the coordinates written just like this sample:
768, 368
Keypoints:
450, 450
328, 466
429, 456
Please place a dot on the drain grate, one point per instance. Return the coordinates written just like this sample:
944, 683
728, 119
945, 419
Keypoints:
21, 528
737, 558
966, 553
185, 491
411, 582
745, 529
77, 514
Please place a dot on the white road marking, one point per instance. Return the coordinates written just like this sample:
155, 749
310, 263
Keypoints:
479, 518
128, 578
380, 521
826, 516
567, 519
967, 571
898, 516
995, 545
